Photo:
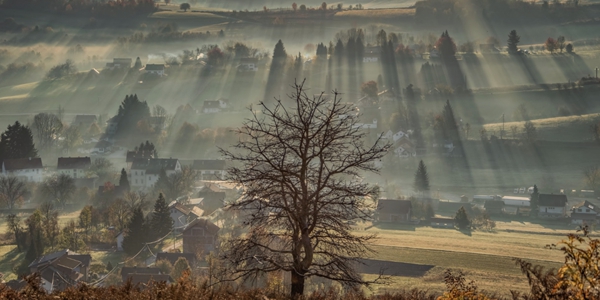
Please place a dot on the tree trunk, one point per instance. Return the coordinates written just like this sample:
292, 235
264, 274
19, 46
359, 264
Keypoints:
297, 284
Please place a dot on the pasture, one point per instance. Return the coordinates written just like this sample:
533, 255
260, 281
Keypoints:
485, 257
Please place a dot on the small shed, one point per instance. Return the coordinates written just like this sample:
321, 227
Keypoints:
394, 211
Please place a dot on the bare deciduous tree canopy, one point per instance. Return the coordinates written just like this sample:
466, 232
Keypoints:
12, 190
299, 167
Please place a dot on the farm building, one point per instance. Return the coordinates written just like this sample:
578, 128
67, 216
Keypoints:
494, 207
516, 205
584, 213
200, 235
439, 222
552, 205
395, 211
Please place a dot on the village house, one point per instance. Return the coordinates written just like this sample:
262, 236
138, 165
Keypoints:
210, 107
210, 169
102, 147
441, 222
73, 166
144, 172
200, 235
516, 205
182, 214
211, 201
552, 205
366, 125
84, 121
30, 169
584, 213
405, 148
130, 156
394, 211
248, 64
155, 69
119, 63
371, 54
62, 269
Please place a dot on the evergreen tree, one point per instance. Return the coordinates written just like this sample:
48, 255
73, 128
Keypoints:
279, 51
123, 181
513, 41
138, 63
130, 112
446, 46
161, 223
136, 233
421, 184
17, 142
534, 200
109, 266
462, 219
450, 126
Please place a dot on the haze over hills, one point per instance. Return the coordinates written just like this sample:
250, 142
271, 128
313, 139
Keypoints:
307, 144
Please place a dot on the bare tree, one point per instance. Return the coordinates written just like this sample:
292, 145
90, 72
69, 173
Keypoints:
120, 212
59, 188
12, 190
592, 177
46, 127
50, 223
177, 184
299, 167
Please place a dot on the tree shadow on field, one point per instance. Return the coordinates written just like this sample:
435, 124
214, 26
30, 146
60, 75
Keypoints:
466, 232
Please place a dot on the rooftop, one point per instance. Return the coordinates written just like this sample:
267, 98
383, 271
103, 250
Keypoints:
23, 163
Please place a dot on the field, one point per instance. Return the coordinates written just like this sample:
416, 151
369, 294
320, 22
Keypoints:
486, 257
376, 13
571, 128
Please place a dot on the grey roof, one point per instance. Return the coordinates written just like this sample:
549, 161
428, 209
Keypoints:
209, 226
128, 271
588, 205
48, 258
155, 67
85, 259
23, 163
394, 206
557, 200
154, 165
74, 163
208, 164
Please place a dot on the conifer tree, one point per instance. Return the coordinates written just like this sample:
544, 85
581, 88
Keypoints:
421, 184
534, 200
161, 223
513, 42
136, 233
17, 142
109, 266
462, 219
123, 181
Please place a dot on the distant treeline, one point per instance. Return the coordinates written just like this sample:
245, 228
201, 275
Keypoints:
96, 8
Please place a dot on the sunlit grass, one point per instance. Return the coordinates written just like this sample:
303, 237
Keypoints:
570, 128
9, 257
376, 13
